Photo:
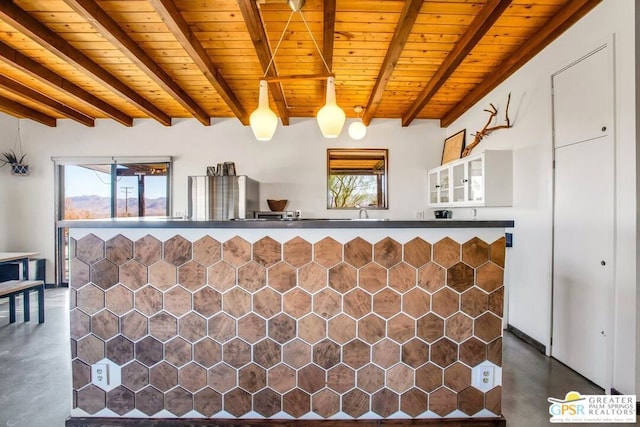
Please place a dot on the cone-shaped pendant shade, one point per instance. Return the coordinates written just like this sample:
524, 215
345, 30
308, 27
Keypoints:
331, 117
263, 121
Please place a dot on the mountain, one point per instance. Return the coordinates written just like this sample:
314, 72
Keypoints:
86, 207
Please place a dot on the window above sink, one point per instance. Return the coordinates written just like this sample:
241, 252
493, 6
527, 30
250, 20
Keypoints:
357, 177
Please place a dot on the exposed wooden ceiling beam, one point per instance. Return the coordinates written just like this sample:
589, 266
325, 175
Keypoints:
176, 23
45, 75
110, 29
483, 21
25, 92
401, 34
25, 23
328, 35
558, 24
20, 111
253, 21
328, 32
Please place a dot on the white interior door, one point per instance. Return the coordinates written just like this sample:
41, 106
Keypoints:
583, 247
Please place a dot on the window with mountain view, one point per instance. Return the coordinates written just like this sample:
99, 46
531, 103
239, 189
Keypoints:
117, 190
109, 188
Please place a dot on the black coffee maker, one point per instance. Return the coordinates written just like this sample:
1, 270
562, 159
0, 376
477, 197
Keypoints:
442, 214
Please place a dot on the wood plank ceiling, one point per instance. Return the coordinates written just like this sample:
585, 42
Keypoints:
164, 59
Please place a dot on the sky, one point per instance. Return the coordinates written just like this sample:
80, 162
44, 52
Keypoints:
81, 181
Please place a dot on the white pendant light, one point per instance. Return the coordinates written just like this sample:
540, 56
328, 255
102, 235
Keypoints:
331, 117
357, 129
263, 121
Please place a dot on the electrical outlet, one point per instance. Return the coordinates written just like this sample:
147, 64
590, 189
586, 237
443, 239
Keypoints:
100, 375
484, 377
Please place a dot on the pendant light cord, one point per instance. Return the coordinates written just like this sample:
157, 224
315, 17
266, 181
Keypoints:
275, 52
314, 42
278, 44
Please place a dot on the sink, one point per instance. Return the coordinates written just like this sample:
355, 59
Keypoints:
289, 219
334, 219
309, 219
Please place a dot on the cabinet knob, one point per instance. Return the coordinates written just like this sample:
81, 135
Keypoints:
604, 128
437, 186
465, 180
603, 263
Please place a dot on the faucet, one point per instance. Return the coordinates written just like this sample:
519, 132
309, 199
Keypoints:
363, 210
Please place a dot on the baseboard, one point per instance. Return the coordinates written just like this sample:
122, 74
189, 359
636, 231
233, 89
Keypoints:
616, 392
56, 285
196, 422
526, 338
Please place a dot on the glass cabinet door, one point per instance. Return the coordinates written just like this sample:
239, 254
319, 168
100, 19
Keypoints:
475, 178
433, 187
458, 182
444, 186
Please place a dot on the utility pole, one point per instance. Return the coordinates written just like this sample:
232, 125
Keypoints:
141, 207
126, 190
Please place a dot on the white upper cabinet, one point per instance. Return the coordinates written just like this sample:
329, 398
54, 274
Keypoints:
439, 186
483, 179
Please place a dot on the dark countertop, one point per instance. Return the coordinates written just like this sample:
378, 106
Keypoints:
306, 223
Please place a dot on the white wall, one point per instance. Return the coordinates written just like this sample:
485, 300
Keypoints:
8, 141
291, 166
530, 138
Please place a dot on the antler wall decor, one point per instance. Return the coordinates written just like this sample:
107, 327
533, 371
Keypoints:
486, 130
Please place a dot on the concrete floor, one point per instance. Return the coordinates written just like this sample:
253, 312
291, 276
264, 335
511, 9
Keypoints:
35, 374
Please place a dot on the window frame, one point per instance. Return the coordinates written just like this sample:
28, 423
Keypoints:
59, 202
382, 193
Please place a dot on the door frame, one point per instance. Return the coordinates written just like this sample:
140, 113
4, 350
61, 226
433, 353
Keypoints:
607, 44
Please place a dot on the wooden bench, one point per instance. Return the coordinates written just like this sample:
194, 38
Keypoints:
11, 288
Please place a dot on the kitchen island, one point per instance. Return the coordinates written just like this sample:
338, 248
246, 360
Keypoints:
309, 320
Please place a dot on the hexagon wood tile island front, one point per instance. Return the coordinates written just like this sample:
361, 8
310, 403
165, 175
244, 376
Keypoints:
197, 323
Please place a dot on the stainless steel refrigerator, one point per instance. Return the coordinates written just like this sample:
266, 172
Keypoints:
222, 197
